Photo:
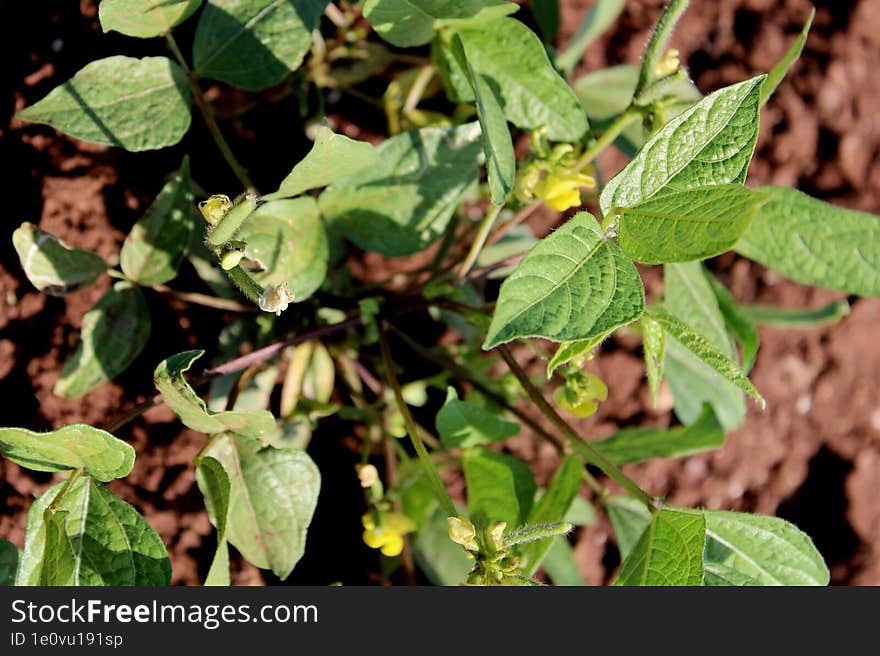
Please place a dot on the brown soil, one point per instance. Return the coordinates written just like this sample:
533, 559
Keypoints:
812, 457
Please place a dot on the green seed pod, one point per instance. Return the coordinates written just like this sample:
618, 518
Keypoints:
226, 228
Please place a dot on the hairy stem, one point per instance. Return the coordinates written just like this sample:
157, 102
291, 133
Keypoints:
411, 427
608, 137
580, 446
518, 218
654, 50
245, 283
210, 120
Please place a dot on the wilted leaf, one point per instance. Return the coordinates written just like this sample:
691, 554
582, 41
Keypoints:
273, 493
112, 335
53, 267
156, 245
77, 446
109, 542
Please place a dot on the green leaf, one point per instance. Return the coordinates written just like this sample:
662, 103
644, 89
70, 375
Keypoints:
461, 424
59, 562
737, 321
137, 104
53, 267
600, 17
550, 508
288, 241
497, 143
499, 487
156, 245
641, 444
254, 44
629, 519
191, 409
514, 62
654, 347
574, 285
796, 318
778, 72
670, 551
569, 351
606, 93
709, 144
700, 346
9, 558
546, 14
815, 243
406, 23
759, 550
113, 333
110, 543
77, 446
273, 493
214, 486
332, 157
687, 225
689, 294
580, 513
560, 565
144, 18
403, 204
441, 560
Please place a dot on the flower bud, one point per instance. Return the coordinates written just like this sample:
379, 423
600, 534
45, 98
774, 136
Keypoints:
231, 258
215, 208
668, 63
368, 474
496, 534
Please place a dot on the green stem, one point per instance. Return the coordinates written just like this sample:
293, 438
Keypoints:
248, 286
417, 90
654, 50
465, 375
210, 121
518, 218
412, 428
608, 137
580, 446
479, 242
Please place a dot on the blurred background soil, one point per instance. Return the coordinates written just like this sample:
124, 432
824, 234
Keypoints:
813, 457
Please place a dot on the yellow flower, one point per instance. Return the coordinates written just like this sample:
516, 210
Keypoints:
462, 532
581, 394
559, 191
387, 537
